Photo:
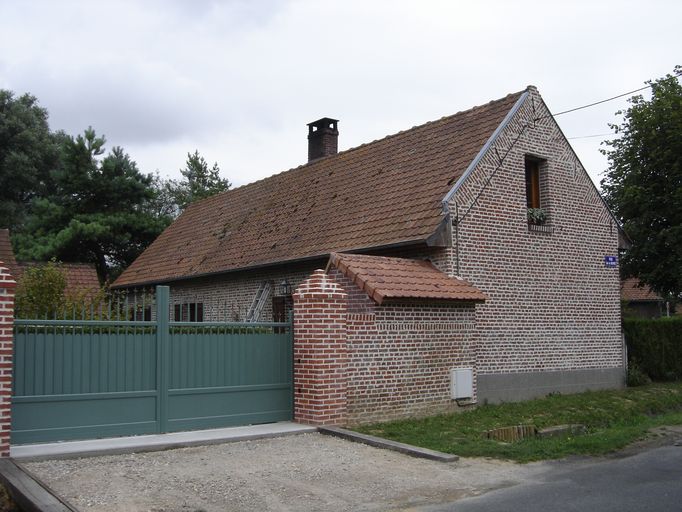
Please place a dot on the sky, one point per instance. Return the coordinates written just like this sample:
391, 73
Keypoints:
239, 80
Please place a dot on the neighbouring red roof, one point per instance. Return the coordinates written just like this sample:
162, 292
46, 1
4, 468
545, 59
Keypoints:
7, 254
633, 290
385, 278
81, 278
380, 194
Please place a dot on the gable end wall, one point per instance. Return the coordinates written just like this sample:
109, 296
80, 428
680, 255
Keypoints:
552, 321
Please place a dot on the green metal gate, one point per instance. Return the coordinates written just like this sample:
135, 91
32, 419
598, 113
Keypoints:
80, 379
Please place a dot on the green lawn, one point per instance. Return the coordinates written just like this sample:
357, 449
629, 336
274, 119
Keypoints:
613, 420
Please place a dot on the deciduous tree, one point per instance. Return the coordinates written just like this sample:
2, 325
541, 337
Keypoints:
643, 185
28, 151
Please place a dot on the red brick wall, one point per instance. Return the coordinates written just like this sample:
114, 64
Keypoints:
400, 359
553, 305
7, 286
320, 351
356, 362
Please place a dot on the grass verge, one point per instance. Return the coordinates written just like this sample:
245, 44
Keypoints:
613, 419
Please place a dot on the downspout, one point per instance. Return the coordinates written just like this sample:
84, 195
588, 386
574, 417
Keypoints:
456, 225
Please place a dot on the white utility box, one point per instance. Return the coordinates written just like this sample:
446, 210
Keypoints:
461, 383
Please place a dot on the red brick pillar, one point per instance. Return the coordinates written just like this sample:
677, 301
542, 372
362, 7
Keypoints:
7, 286
320, 351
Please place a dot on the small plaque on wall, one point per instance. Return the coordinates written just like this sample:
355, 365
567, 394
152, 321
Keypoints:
611, 261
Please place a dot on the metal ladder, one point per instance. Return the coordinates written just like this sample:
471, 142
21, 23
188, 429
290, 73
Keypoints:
259, 301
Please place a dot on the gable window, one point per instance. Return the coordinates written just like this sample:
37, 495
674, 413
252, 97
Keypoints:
536, 192
189, 312
532, 183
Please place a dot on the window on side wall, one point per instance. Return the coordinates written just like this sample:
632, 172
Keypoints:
189, 312
536, 210
532, 183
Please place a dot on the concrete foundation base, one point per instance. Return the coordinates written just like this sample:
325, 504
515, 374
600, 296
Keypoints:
514, 387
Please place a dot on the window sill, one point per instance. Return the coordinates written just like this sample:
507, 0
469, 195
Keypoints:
540, 228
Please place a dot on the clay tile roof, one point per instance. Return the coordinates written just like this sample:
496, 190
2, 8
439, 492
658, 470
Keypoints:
633, 290
399, 278
7, 255
81, 278
384, 193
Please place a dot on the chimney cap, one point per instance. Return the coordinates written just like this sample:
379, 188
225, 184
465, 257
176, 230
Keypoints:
323, 138
323, 120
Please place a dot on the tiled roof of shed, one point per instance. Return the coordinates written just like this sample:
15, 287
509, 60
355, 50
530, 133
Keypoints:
81, 278
383, 193
385, 278
7, 254
631, 290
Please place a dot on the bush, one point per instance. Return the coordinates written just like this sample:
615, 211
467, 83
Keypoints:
41, 291
636, 377
655, 347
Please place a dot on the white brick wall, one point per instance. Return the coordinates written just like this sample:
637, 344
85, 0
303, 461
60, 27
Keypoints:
228, 297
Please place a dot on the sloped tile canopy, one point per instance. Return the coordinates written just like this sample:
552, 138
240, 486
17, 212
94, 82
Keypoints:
385, 278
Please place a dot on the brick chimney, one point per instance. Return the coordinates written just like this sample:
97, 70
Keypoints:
323, 138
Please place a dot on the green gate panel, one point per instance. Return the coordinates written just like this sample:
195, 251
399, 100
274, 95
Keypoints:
221, 379
83, 379
193, 409
67, 417
80, 361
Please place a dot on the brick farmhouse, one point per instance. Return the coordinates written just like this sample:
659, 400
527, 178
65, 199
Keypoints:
476, 242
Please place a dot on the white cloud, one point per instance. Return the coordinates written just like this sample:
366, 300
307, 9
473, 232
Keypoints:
239, 80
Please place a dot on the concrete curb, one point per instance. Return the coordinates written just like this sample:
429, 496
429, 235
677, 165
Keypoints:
139, 444
378, 442
29, 492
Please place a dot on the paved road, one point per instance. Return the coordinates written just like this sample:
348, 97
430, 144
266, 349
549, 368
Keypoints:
648, 481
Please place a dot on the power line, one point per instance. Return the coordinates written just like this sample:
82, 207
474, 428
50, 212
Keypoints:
601, 101
502, 158
604, 101
590, 136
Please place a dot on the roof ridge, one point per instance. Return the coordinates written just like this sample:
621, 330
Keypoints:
363, 145
434, 121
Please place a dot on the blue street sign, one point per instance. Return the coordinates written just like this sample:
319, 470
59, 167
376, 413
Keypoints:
611, 261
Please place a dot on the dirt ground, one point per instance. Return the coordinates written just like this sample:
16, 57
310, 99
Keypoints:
309, 472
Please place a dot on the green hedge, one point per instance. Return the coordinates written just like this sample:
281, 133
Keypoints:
655, 346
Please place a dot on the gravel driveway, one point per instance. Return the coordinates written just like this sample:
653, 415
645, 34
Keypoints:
309, 472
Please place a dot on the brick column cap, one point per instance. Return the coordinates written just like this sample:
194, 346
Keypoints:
6, 279
320, 285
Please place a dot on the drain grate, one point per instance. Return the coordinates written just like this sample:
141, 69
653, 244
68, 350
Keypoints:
511, 434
